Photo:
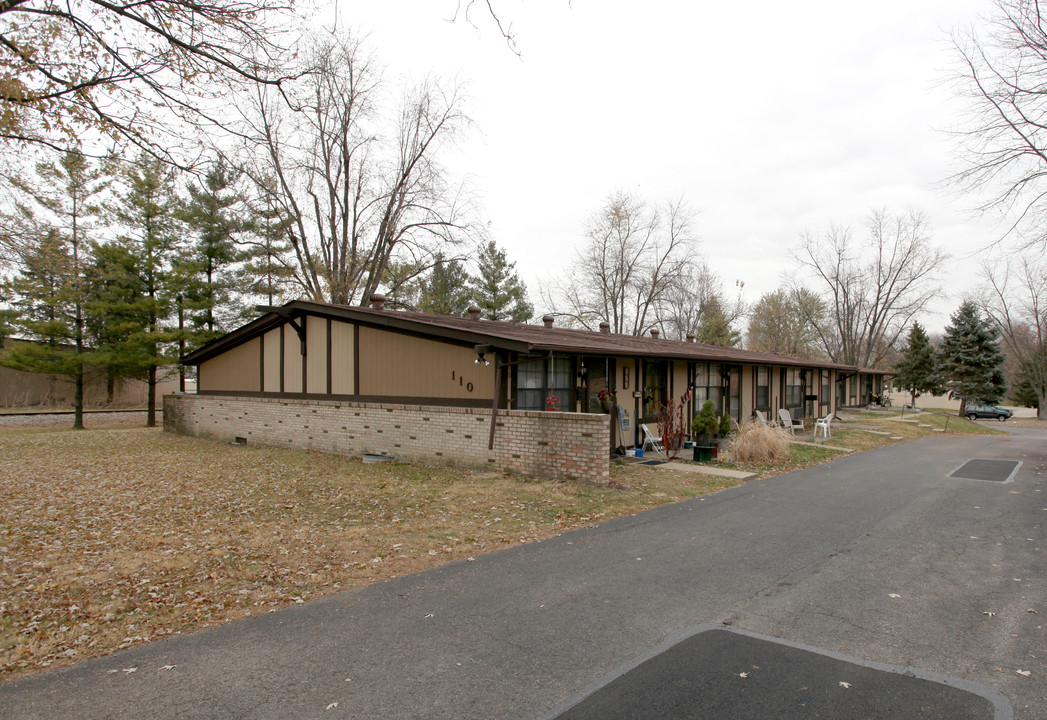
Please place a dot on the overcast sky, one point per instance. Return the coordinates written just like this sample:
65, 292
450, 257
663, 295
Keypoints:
768, 118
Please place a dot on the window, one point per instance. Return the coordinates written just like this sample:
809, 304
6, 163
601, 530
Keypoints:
537, 379
708, 385
792, 390
562, 382
530, 382
655, 387
763, 388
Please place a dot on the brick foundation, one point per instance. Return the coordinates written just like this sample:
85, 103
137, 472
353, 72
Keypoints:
564, 446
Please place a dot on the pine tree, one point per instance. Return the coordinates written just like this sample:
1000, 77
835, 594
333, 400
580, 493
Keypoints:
114, 313
208, 266
50, 292
444, 291
713, 326
496, 289
971, 358
918, 370
266, 248
150, 210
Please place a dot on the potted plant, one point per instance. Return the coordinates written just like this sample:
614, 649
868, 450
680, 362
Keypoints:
704, 428
606, 398
552, 403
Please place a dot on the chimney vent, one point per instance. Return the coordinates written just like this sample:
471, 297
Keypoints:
605, 327
690, 337
378, 301
474, 312
654, 333
548, 320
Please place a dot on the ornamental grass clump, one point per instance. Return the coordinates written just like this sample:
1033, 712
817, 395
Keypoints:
760, 443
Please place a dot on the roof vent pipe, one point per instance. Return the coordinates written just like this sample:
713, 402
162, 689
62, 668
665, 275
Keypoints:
690, 337
378, 301
654, 333
548, 320
474, 312
605, 327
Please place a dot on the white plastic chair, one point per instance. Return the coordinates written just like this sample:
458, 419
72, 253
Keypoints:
650, 439
823, 424
760, 417
788, 422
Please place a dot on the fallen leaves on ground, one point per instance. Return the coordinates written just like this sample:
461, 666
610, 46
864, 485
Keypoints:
110, 538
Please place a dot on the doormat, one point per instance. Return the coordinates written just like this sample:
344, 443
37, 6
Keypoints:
1000, 471
653, 462
717, 672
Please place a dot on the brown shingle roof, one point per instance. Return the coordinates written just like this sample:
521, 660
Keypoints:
507, 336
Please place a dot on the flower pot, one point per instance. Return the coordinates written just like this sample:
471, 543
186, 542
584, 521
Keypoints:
608, 405
702, 453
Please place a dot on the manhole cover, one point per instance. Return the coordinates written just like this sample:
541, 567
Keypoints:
992, 470
720, 672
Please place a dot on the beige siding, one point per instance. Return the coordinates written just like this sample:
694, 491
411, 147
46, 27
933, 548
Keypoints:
271, 341
292, 361
397, 365
748, 391
342, 358
235, 369
679, 380
316, 358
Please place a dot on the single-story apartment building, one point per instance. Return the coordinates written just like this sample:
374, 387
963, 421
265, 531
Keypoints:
475, 392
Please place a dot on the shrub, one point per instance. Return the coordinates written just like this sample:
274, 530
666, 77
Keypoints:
760, 443
705, 422
725, 426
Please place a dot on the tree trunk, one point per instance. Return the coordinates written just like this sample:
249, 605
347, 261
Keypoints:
78, 399
150, 420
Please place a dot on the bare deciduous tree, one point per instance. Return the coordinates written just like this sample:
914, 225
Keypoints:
873, 288
1015, 301
1004, 143
118, 70
635, 256
358, 190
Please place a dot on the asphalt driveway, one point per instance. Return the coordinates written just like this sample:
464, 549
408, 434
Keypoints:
881, 556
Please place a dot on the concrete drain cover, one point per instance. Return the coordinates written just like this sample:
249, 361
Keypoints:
1000, 471
717, 672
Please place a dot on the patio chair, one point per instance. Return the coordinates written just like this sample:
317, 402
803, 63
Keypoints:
649, 438
823, 424
760, 417
788, 422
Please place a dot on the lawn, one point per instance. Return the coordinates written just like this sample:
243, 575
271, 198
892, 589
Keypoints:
116, 536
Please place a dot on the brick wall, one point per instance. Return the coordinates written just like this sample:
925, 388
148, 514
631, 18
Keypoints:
565, 446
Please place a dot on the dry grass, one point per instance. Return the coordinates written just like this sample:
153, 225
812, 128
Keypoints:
759, 443
113, 537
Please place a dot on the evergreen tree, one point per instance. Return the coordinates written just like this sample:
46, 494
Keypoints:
918, 370
444, 291
49, 292
496, 288
713, 326
150, 211
266, 248
114, 313
1022, 393
971, 358
210, 280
